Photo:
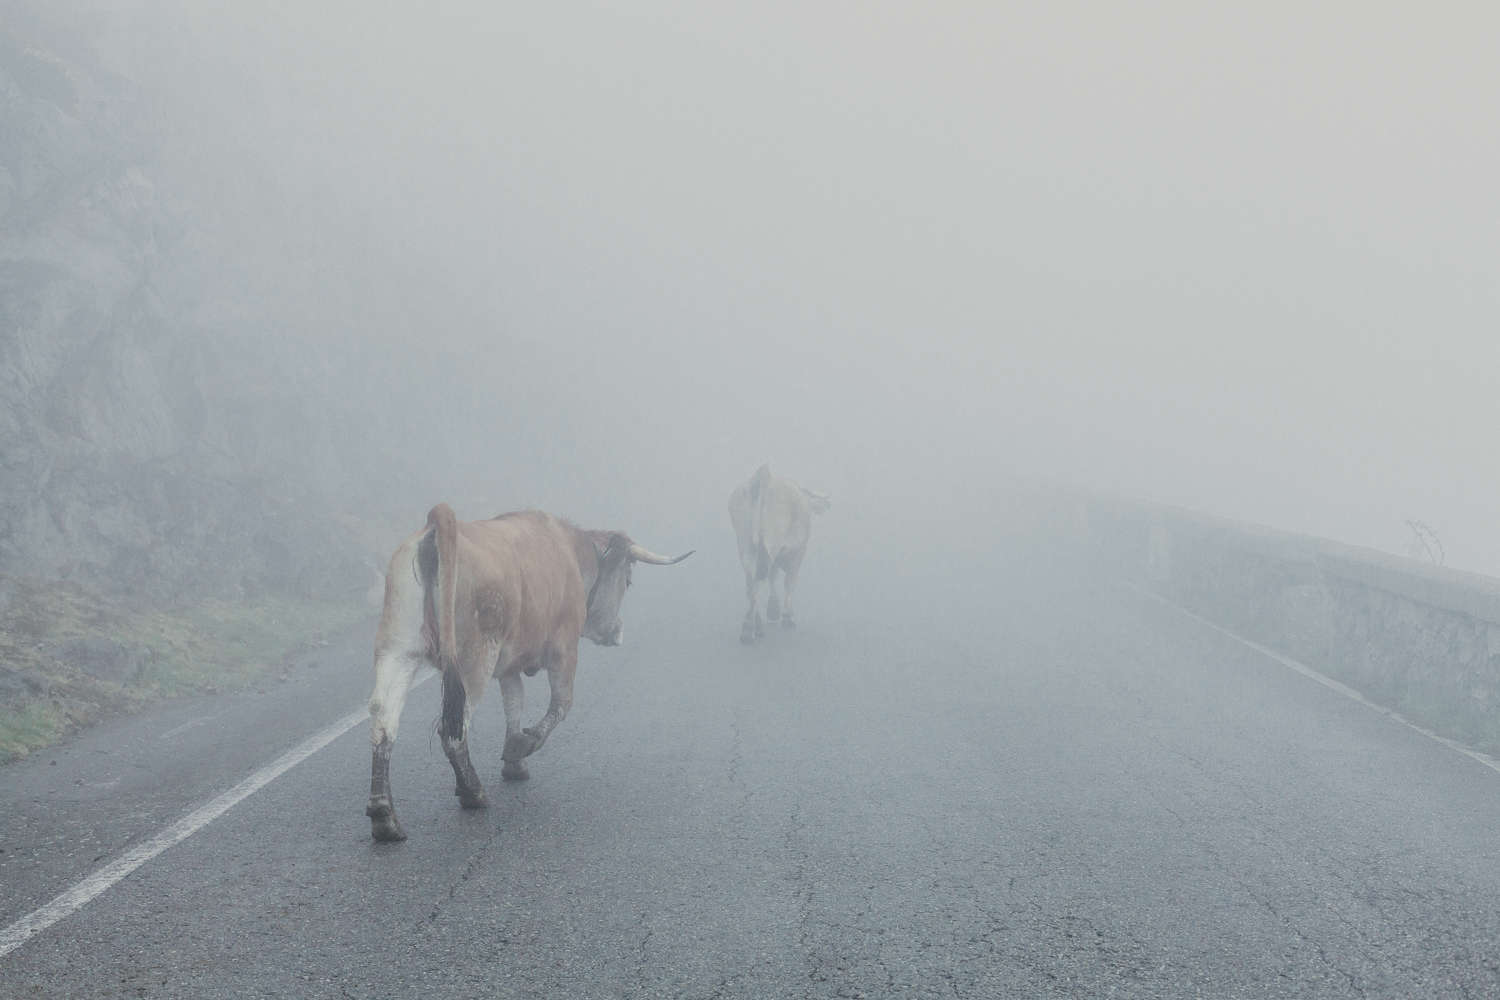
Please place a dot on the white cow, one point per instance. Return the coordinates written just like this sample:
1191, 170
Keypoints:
772, 519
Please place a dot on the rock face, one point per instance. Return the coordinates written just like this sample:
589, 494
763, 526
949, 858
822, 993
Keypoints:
146, 441
102, 660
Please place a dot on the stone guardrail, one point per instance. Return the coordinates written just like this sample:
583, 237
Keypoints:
1419, 638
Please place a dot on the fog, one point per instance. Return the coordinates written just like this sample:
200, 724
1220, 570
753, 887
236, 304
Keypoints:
1243, 261
278, 277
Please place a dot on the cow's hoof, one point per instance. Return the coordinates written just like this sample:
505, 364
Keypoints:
747, 635
760, 628
773, 608
519, 745
515, 770
475, 799
384, 826
387, 831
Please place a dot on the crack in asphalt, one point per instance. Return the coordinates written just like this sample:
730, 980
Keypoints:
1250, 892
640, 965
803, 896
470, 868
740, 817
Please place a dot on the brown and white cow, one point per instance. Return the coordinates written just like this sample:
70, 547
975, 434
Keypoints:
772, 519
482, 599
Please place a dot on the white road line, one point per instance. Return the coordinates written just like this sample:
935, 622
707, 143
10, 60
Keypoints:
17, 933
1343, 689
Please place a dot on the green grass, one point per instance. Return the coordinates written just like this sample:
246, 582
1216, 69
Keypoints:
29, 726
215, 645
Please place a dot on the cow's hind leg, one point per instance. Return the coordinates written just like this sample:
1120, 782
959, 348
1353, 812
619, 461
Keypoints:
513, 693
793, 565
454, 730
393, 676
752, 627
773, 603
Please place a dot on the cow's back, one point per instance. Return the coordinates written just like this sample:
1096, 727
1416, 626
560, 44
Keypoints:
519, 581
770, 516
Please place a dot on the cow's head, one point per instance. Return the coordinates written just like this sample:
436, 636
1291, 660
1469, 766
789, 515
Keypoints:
616, 554
817, 502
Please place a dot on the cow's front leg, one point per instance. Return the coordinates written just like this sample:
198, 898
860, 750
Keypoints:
456, 745
393, 676
560, 677
513, 695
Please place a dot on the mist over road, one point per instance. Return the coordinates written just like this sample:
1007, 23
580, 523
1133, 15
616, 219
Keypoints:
275, 278
972, 771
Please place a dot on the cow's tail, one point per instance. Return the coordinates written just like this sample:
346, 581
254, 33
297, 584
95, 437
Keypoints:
761, 489
454, 702
438, 558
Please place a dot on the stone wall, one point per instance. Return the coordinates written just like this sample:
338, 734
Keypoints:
1421, 638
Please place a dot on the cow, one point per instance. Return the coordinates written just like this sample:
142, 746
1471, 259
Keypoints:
772, 518
481, 599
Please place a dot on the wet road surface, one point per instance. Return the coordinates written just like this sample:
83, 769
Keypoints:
985, 778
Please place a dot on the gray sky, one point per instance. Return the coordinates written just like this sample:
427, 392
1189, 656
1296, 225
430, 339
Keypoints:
1242, 260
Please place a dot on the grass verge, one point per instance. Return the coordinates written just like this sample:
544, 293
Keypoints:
214, 645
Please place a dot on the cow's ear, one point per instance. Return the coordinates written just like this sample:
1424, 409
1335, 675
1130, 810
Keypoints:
617, 543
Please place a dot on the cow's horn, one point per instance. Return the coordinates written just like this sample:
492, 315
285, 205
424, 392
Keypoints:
646, 556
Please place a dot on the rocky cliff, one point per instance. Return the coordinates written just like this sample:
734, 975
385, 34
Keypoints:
174, 417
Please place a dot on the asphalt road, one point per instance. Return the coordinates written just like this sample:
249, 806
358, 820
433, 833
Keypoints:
968, 773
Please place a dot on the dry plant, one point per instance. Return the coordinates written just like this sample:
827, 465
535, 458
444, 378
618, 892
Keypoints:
1425, 542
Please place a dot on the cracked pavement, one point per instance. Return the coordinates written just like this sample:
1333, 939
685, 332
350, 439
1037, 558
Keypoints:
1041, 785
